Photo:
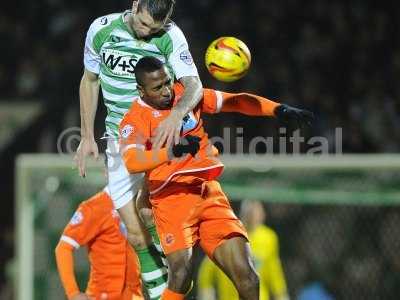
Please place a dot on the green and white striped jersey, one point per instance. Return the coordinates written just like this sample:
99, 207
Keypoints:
112, 51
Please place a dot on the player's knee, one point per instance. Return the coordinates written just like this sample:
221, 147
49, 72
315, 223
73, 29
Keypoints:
136, 238
143, 207
146, 214
142, 198
248, 281
179, 276
252, 281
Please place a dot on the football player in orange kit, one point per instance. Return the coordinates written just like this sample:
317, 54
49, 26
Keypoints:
114, 272
188, 203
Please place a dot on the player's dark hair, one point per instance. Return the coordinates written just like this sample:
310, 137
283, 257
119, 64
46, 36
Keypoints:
159, 10
146, 64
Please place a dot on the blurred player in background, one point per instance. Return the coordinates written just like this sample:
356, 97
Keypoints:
188, 203
114, 268
214, 284
114, 44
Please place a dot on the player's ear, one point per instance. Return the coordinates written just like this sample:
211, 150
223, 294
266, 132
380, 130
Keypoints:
135, 4
140, 90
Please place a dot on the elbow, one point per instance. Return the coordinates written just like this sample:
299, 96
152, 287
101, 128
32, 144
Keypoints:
198, 86
58, 248
57, 251
198, 83
89, 79
192, 83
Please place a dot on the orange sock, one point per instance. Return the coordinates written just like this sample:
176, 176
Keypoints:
171, 295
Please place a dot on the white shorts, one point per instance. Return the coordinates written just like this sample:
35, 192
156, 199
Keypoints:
121, 185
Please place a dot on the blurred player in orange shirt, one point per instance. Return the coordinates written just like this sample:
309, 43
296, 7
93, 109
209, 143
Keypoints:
114, 268
188, 204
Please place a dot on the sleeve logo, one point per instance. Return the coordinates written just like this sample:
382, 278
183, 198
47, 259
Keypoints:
189, 122
77, 218
103, 21
186, 57
87, 50
126, 131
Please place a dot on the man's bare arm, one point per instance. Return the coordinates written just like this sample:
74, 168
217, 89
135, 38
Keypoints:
191, 96
169, 130
88, 95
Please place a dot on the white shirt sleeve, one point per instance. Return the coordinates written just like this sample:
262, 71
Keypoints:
180, 59
91, 58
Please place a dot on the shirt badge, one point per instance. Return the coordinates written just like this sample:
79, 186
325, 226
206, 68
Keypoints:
77, 218
156, 114
126, 131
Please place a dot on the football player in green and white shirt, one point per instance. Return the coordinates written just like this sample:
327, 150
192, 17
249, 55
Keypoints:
114, 44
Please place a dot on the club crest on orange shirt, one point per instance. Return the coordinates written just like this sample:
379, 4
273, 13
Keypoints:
126, 131
77, 218
156, 114
169, 239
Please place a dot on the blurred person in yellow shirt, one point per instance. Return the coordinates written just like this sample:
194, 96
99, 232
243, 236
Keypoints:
213, 284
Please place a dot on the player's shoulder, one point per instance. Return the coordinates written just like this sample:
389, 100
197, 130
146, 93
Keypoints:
136, 118
82, 214
173, 31
103, 22
97, 203
138, 111
171, 26
170, 34
133, 113
106, 19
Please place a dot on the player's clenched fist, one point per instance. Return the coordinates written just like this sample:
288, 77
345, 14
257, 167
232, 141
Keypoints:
288, 114
187, 145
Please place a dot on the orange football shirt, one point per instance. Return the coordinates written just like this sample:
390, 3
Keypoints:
138, 126
114, 265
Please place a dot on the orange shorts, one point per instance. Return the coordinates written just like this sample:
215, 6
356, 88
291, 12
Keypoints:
185, 215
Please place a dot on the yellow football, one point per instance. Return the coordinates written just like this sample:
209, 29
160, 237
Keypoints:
228, 59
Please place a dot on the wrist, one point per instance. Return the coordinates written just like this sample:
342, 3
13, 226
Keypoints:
280, 110
175, 151
87, 136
